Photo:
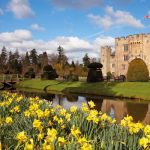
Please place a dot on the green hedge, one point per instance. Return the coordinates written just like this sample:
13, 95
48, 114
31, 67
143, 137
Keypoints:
137, 71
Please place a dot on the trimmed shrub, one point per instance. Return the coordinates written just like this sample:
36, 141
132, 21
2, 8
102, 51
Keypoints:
95, 65
95, 72
137, 71
72, 77
49, 73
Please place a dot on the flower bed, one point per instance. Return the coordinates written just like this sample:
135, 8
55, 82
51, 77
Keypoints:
31, 123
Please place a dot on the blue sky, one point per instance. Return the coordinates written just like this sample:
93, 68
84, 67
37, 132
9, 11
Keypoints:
80, 26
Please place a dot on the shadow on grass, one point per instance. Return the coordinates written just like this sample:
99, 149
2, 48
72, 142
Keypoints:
45, 88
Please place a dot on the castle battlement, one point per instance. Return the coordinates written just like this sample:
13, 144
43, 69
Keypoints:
134, 36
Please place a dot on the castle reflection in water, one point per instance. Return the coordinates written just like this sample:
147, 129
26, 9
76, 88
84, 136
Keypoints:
118, 109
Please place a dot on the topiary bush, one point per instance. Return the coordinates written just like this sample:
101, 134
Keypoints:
137, 71
95, 72
49, 73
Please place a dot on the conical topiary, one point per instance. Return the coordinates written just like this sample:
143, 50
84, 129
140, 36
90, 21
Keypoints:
137, 71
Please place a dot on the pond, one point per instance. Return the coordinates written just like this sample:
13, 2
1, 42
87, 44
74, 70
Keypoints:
116, 108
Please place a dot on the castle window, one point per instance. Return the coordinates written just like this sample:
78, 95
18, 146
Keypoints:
126, 57
113, 65
123, 66
125, 47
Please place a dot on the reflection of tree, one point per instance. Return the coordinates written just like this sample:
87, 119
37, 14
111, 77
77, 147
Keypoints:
97, 101
60, 99
72, 98
48, 96
137, 110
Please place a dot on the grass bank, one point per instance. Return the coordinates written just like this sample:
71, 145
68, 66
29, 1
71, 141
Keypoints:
139, 90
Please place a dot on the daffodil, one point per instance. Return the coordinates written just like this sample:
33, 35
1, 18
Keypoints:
29, 145
91, 104
37, 124
8, 120
144, 142
147, 130
68, 116
75, 131
21, 137
51, 135
61, 140
73, 109
82, 140
86, 146
27, 113
40, 136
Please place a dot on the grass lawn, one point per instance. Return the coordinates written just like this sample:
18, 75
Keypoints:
119, 89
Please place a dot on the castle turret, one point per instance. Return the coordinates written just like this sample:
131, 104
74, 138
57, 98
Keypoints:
105, 59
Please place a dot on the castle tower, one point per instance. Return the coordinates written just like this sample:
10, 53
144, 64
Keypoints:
105, 59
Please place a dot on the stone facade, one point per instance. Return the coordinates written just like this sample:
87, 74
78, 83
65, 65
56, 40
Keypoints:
126, 49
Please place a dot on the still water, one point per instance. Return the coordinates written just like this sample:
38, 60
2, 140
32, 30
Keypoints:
116, 108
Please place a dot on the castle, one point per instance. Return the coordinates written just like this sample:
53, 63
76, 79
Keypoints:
126, 49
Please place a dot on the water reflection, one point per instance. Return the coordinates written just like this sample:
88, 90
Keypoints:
137, 110
63, 101
115, 108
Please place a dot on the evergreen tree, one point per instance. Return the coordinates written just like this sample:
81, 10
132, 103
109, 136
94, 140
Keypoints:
27, 59
73, 64
3, 59
45, 59
86, 60
33, 56
62, 58
14, 62
10, 60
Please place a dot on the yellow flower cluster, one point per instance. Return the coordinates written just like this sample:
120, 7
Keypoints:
38, 125
133, 127
145, 141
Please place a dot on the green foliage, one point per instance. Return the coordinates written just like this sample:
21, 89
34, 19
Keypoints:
62, 58
109, 75
72, 77
30, 73
137, 71
86, 60
33, 56
49, 73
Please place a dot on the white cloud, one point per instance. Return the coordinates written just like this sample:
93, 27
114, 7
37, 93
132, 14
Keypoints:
75, 47
118, 17
37, 27
77, 3
104, 22
1, 12
20, 8
16, 36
